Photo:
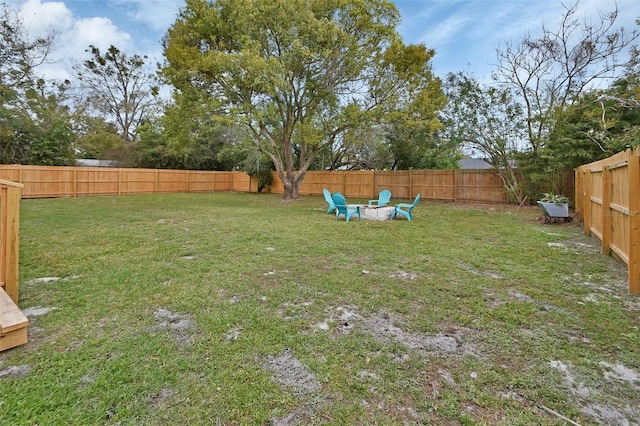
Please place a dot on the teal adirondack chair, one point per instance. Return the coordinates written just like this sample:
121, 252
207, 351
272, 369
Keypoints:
404, 209
343, 209
327, 198
383, 198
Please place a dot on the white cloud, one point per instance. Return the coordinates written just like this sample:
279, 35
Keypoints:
40, 18
73, 35
100, 32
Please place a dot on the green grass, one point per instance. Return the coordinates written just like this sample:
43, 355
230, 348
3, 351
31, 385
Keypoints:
366, 307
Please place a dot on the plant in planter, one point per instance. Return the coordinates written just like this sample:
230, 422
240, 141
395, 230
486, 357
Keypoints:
554, 205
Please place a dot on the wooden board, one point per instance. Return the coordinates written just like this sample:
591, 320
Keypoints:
13, 323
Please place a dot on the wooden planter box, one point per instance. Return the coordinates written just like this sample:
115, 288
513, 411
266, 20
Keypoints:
13, 323
555, 210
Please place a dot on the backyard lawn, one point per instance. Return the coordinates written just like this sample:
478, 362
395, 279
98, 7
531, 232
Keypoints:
225, 309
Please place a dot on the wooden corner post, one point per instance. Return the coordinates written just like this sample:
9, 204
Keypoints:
634, 225
11, 193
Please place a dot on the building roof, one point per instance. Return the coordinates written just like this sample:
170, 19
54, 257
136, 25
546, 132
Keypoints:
90, 162
474, 164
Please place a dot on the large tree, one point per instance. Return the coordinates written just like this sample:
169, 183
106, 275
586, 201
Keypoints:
550, 74
118, 87
300, 74
487, 119
19, 57
553, 70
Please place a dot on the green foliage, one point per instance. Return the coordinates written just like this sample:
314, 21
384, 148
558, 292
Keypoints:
300, 75
35, 123
552, 75
554, 198
208, 148
259, 166
118, 87
97, 139
419, 149
488, 120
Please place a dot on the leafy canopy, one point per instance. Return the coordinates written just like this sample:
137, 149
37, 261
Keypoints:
298, 74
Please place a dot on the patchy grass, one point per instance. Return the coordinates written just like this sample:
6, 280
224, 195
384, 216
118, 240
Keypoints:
243, 309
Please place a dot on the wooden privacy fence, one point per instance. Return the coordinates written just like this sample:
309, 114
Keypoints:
62, 181
483, 186
607, 201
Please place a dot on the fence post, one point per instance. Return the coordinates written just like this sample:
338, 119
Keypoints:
634, 225
455, 186
587, 202
411, 184
373, 184
606, 210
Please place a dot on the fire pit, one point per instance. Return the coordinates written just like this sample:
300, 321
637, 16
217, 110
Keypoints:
376, 212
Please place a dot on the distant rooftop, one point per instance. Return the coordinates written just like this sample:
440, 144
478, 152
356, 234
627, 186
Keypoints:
89, 162
478, 164
474, 164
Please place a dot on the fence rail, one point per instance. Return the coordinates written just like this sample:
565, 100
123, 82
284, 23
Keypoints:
607, 201
483, 186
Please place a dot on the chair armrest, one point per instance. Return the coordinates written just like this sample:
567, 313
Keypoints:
372, 202
403, 205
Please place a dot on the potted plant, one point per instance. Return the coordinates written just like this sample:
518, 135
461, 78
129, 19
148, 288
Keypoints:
554, 205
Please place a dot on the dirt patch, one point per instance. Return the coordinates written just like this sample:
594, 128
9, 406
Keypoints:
37, 311
46, 280
299, 416
289, 372
179, 325
15, 371
403, 275
383, 328
233, 334
474, 271
294, 310
342, 319
596, 408
161, 398
622, 373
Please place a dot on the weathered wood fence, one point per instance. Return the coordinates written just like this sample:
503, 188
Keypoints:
607, 201
483, 186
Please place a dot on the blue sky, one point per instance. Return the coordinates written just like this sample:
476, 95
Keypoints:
464, 33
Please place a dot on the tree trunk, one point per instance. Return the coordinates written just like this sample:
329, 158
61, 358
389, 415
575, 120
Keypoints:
291, 187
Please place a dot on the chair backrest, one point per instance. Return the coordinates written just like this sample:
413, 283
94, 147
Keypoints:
327, 196
338, 199
415, 202
384, 197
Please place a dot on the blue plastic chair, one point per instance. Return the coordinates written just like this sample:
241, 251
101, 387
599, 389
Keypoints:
383, 198
404, 209
327, 198
343, 209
